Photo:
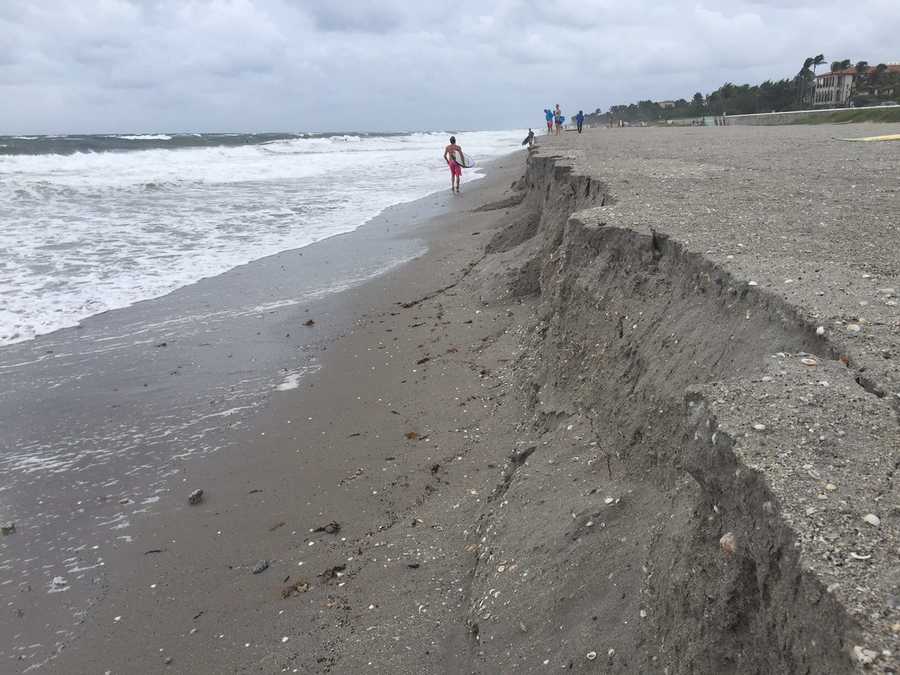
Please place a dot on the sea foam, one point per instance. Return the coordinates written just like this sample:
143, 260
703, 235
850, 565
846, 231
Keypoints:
91, 231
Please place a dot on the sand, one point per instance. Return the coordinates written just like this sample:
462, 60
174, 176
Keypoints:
580, 433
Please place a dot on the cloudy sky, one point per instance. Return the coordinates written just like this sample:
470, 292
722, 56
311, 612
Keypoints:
296, 65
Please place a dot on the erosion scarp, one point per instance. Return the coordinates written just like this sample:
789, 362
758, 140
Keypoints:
739, 509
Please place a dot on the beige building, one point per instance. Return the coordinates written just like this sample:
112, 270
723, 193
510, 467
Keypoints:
833, 89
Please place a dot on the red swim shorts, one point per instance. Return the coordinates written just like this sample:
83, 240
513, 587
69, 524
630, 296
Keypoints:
455, 169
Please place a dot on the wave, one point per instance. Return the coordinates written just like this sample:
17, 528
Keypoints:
146, 137
88, 143
96, 230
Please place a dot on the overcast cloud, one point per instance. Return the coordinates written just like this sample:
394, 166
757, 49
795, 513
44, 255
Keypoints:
316, 65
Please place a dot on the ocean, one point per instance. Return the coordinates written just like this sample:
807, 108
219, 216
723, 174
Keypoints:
93, 223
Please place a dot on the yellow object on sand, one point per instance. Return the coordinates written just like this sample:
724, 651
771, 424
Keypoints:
889, 137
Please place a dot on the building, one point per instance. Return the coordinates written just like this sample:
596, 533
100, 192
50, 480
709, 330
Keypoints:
666, 104
833, 90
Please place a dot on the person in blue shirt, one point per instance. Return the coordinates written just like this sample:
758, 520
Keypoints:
548, 115
579, 120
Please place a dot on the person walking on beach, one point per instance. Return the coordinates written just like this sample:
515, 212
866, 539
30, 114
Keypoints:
529, 139
548, 115
558, 117
454, 156
579, 120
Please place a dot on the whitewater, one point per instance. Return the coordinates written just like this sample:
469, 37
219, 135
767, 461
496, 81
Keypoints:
92, 224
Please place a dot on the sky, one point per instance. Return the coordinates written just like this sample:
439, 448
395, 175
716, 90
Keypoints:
114, 66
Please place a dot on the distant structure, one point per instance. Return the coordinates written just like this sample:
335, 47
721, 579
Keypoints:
666, 104
835, 89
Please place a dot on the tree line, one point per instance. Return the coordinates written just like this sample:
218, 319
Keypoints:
872, 84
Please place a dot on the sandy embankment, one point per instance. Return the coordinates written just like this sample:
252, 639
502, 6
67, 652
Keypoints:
596, 428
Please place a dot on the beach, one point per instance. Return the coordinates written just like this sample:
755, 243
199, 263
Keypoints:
627, 404
172, 382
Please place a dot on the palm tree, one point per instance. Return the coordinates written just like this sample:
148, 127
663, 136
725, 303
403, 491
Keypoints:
862, 73
845, 64
835, 66
817, 61
803, 78
860, 80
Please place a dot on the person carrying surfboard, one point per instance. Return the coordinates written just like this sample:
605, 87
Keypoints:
455, 159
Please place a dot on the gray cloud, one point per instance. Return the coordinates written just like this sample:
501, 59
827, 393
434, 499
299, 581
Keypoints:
120, 65
341, 17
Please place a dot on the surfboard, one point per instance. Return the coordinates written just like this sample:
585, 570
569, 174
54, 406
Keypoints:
468, 163
871, 139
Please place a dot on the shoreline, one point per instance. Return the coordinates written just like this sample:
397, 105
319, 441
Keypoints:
596, 426
169, 380
378, 217
240, 340
182, 216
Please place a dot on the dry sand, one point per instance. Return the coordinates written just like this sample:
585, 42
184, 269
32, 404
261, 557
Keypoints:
594, 428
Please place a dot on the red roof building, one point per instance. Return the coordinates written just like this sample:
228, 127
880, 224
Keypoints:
833, 89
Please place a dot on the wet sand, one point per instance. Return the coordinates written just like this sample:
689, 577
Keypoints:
109, 426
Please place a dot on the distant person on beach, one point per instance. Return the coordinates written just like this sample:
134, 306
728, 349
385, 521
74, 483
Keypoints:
453, 155
548, 115
558, 117
579, 120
